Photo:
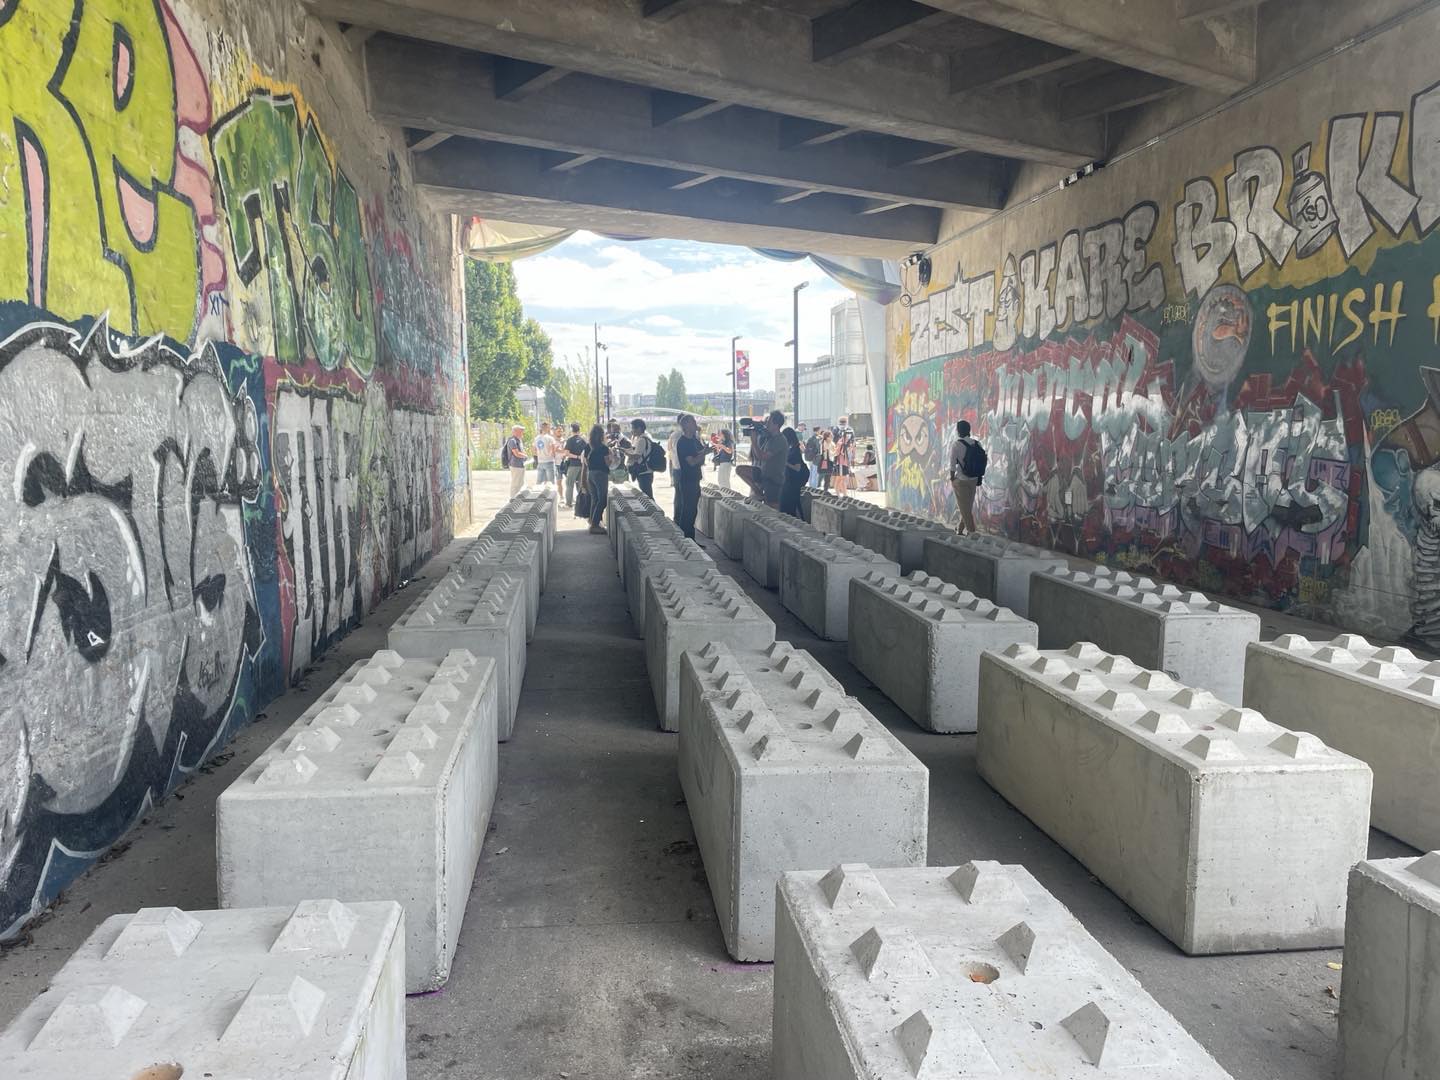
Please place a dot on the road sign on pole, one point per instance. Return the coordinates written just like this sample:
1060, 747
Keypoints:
742, 369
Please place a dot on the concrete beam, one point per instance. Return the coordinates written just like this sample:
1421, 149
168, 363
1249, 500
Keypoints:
1113, 91
796, 196
900, 153
795, 132
429, 142
668, 107
572, 163
1207, 9
866, 25
516, 79
468, 177
666, 9
356, 36
880, 206
1142, 34
432, 88
1012, 61
694, 181
747, 55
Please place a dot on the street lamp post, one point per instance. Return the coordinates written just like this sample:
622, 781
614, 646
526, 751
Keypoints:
734, 393
795, 404
598, 346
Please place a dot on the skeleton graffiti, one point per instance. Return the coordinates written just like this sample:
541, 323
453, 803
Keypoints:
1200, 390
226, 439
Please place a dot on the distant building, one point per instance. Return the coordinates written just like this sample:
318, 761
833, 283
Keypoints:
838, 384
785, 390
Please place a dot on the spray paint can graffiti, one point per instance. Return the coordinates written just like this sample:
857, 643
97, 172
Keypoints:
1311, 210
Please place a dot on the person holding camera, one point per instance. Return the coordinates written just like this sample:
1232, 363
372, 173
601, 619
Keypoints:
724, 450
768, 450
639, 451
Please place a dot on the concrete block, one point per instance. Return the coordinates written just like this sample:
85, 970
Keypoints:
382, 790
1381, 705
1228, 833
488, 556
312, 991
919, 639
646, 555
1185, 634
509, 525
485, 617
815, 574
762, 535
730, 515
654, 526
951, 972
837, 514
782, 771
989, 566
542, 498
898, 537
1390, 997
685, 613
705, 509
626, 499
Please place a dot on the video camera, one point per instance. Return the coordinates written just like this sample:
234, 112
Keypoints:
748, 425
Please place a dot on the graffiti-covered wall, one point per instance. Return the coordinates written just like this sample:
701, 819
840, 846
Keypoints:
1218, 359
232, 395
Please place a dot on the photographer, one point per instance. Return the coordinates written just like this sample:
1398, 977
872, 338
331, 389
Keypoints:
768, 451
689, 457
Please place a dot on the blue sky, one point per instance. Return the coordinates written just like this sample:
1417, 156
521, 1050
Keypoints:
669, 303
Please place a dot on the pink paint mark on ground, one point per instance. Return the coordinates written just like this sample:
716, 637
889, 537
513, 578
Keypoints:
36, 193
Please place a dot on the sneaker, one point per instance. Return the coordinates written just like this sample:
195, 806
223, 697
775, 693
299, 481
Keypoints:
597, 530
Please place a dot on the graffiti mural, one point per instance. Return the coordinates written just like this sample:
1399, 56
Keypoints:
229, 392
1219, 385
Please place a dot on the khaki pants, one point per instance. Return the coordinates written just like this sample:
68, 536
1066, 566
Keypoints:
517, 479
965, 502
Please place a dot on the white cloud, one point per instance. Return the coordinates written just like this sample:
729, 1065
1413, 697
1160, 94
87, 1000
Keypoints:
664, 321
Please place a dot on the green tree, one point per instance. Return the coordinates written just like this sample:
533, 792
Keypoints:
505, 349
570, 396
670, 390
541, 362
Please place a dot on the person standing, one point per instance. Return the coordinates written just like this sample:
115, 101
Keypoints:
844, 450
796, 473
545, 447
724, 458
967, 469
513, 456
769, 452
598, 459
637, 457
689, 457
672, 456
575, 447
812, 458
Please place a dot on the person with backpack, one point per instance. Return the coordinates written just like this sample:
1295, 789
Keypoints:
644, 455
574, 464
512, 457
967, 470
812, 456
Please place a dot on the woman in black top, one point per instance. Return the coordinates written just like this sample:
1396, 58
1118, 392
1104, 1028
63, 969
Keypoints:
597, 460
724, 458
796, 473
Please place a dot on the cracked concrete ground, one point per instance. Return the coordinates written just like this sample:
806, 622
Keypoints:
590, 947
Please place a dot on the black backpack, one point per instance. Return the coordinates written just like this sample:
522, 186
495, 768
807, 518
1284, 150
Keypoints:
656, 458
505, 453
975, 460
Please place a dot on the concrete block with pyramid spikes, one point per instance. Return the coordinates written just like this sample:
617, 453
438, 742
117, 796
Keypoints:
935, 973
763, 533
730, 515
782, 771
311, 991
646, 554
990, 566
815, 573
539, 498
488, 555
1390, 998
382, 790
628, 523
1187, 635
705, 508
531, 525
1227, 832
1380, 704
837, 515
486, 617
897, 536
919, 639
685, 612
626, 499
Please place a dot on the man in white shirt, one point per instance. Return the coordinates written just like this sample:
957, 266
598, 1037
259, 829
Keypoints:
545, 448
674, 461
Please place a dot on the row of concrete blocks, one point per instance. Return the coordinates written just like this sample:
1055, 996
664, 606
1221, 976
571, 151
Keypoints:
894, 974
837, 515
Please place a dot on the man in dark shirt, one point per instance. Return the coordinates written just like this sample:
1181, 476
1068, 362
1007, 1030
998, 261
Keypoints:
690, 456
575, 447
770, 452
